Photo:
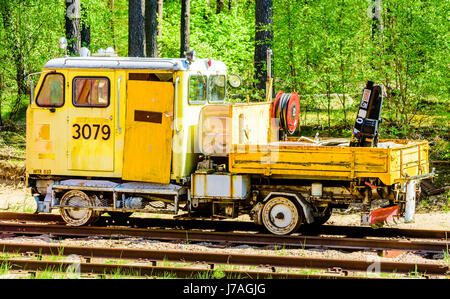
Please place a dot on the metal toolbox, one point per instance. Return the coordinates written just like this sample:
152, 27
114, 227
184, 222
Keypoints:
220, 185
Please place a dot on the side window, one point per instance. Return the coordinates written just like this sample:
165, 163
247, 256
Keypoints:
197, 89
216, 88
51, 93
91, 92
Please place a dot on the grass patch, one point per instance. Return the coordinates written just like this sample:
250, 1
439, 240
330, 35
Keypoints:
13, 142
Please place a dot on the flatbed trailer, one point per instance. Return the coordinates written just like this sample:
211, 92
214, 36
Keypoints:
406, 159
316, 174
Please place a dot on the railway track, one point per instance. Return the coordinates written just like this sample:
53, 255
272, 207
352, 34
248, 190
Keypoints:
207, 264
272, 266
227, 239
229, 226
154, 271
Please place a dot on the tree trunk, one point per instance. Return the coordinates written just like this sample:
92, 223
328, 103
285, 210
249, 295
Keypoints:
342, 68
85, 30
291, 47
151, 28
85, 35
15, 47
160, 16
377, 21
1, 99
111, 22
136, 28
21, 85
185, 12
377, 32
160, 19
220, 6
263, 39
73, 30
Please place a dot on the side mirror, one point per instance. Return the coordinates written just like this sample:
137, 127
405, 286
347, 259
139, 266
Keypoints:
31, 85
234, 80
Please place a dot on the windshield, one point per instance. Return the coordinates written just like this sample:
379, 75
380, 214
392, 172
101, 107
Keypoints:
216, 88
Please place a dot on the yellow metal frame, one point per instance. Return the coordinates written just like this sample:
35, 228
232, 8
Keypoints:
148, 137
49, 154
390, 165
49, 131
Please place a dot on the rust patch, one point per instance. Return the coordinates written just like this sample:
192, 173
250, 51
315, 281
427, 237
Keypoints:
393, 253
43, 146
44, 132
49, 156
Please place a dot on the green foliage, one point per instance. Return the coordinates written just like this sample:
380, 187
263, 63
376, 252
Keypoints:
413, 61
28, 32
318, 49
227, 36
325, 50
331, 47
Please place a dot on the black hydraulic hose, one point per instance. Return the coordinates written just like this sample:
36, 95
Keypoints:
285, 112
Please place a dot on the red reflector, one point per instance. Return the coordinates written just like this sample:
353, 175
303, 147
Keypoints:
371, 185
383, 215
209, 62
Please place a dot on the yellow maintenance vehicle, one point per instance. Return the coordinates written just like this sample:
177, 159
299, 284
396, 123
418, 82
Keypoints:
120, 135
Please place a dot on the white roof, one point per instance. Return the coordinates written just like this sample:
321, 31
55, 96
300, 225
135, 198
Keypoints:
140, 63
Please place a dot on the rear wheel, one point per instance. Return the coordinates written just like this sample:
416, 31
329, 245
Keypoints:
281, 216
77, 216
326, 214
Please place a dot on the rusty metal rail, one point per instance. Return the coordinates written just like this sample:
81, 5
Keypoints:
229, 238
268, 261
149, 271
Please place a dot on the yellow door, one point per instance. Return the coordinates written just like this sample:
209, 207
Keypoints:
148, 135
91, 121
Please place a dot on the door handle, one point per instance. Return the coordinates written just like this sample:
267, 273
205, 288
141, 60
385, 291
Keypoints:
175, 109
118, 104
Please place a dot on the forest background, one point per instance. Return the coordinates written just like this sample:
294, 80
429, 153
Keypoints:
325, 50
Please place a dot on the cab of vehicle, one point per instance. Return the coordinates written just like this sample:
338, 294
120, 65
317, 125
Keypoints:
120, 117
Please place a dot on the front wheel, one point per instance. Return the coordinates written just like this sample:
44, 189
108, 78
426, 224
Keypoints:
77, 214
281, 216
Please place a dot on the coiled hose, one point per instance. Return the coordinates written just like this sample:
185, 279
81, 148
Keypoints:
286, 111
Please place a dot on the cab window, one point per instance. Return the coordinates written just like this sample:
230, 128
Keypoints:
197, 89
216, 88
91, 92
51, 93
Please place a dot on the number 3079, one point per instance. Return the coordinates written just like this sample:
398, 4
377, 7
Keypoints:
94, 131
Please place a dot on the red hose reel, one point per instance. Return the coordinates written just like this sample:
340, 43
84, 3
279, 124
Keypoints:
286, 111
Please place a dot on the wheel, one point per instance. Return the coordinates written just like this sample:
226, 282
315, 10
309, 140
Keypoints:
322, 219
77, 217
281, 216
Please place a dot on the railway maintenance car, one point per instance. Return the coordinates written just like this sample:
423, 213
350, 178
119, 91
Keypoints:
120, 135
